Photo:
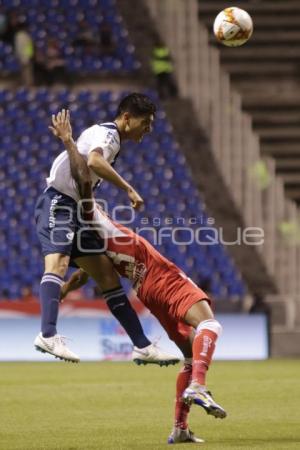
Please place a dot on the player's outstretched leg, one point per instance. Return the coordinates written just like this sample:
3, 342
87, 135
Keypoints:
207, 332
199, 395
152, 354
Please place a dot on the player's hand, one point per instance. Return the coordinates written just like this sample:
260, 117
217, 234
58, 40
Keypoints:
136, 200
63, 292
61, 125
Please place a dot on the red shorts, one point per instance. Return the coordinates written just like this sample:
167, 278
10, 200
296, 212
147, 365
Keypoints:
169, 296
178, 332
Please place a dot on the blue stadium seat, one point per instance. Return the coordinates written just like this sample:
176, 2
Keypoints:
62, 20
159, 172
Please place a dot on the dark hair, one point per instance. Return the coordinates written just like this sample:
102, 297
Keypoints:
137, 105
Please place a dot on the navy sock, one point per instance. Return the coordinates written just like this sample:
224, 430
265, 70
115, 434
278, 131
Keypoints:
120, 307
49, 298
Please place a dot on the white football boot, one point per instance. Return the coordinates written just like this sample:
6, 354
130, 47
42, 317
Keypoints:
55, 346
179, 436
153, 355
195, 393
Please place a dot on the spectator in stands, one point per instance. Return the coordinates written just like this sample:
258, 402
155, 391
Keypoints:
24, 51
107, 43
50, 63
163, 70
94, 44
87, 40
3, 23
12, 22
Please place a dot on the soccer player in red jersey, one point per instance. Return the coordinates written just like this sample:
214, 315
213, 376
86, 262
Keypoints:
181, 307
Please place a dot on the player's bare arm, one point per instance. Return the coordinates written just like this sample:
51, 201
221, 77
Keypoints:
104, 170
62, 129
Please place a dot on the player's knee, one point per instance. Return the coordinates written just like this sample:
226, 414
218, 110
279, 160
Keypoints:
57, 265
210, 324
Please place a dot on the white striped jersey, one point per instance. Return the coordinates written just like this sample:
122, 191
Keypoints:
105, 136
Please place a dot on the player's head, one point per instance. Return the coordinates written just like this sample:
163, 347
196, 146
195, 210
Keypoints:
136, 114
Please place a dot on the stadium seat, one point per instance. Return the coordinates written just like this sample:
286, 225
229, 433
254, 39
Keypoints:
159, 172
45, 20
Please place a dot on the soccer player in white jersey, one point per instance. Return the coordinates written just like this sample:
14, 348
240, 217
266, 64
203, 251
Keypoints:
65, 238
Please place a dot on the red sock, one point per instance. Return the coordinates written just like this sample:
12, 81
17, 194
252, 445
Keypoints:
203, 349
181, 409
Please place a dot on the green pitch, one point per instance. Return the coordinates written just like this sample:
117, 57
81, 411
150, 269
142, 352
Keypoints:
120, 406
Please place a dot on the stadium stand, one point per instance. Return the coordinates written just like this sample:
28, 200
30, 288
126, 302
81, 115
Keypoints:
226, 111
156, 167
64, 21
257, 190
266, 73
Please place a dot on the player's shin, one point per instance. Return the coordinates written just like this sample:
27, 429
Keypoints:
181, 408
120, 307
207, 334
49, 298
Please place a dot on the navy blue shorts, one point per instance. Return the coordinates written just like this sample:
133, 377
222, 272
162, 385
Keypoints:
60, 230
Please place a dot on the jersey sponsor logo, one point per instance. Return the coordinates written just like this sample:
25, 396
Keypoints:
123, 263
139, 273
53, 204
128, 266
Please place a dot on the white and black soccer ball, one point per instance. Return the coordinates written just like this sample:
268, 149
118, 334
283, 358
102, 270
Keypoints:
233, 27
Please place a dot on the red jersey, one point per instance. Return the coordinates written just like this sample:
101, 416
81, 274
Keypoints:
159, 283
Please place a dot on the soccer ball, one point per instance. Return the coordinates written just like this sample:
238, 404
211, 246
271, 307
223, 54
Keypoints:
233, 27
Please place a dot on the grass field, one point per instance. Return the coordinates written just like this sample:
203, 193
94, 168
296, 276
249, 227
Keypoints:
121, 406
